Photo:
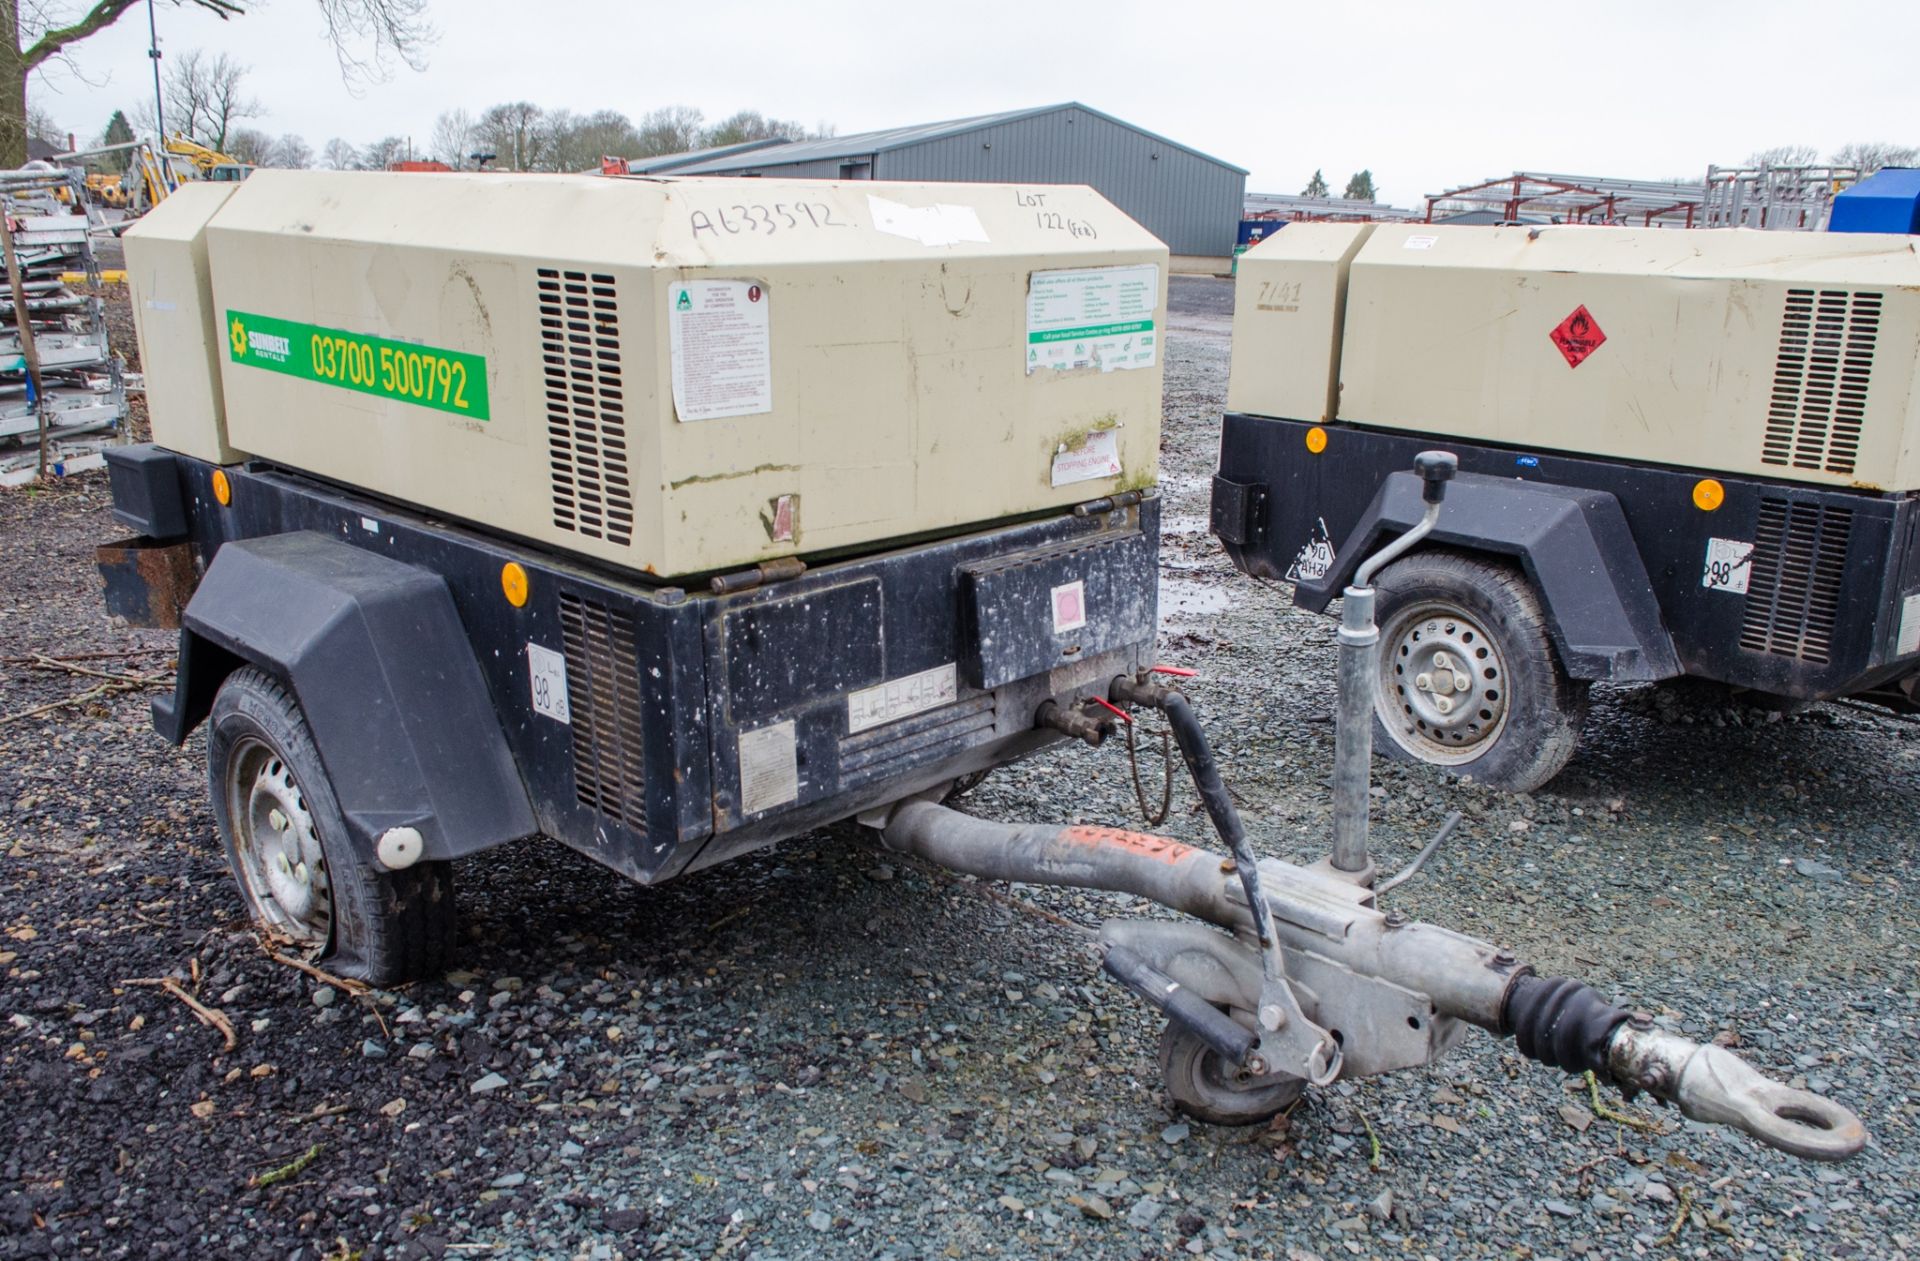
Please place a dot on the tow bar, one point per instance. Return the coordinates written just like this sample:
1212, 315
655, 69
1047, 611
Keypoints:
1311, 980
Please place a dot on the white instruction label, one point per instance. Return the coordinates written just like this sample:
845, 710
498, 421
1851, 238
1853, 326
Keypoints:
769, 773
1095, 317
1097, 457
939, 224
718, 337
1069, 607
901, 698
548, 671
1909, 627
1420, 243
1729, 566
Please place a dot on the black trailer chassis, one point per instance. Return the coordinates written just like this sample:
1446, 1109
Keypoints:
1645, 572
479, 689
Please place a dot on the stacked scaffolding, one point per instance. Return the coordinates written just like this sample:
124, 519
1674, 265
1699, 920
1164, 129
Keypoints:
1778, 198
1575, 199
81, 392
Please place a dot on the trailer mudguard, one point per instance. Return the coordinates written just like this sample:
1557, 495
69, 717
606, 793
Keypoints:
1573, 544
376, 654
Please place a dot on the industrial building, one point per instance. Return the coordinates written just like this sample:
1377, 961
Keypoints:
1186, 198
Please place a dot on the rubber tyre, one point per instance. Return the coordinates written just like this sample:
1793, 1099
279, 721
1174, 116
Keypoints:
1543, 708
386, 927
1199, 1083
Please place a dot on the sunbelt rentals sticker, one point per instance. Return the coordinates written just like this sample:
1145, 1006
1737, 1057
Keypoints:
450, 381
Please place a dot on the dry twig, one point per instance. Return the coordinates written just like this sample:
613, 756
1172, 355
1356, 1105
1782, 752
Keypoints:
1679, 1217
208, 1016
1605, 1113
292, 1169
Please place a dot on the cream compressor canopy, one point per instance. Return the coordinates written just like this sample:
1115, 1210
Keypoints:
679, 376
1771, 354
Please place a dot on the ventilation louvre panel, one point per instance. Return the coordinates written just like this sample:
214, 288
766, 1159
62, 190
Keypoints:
1799, 565
1820, 376
897, 747
603, 695
586, 420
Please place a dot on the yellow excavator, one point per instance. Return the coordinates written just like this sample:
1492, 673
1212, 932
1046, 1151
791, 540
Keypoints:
210, 164
148, 178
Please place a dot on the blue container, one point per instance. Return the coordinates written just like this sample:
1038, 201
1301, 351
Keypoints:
1254, 231
1886, 201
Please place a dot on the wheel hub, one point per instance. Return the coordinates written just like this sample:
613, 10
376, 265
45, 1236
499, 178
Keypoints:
279, 849
1442, 683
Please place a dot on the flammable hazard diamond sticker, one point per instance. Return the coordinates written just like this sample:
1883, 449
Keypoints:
1578, 336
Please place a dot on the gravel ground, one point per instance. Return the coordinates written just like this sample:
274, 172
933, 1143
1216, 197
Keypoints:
824, 1051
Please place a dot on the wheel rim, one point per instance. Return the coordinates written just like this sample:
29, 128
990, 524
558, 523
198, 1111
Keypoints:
1442, 690
1205, 1085
281, 862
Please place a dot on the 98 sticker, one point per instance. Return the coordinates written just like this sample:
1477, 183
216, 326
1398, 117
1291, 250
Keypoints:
1729, 566
547, 673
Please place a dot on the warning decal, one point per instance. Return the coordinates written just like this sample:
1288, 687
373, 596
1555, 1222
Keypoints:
1578, 336
718, 336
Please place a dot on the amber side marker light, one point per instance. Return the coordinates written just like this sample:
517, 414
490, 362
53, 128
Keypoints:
513, 582
222, 488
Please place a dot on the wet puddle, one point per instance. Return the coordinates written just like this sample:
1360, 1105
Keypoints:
1186, 603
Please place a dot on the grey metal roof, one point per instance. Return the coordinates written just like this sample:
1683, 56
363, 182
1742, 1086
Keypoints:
863, 143
674, 161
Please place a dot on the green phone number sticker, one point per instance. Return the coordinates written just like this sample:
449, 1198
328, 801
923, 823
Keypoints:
445, 380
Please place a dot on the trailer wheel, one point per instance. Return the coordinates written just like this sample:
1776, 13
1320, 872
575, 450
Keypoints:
286, 843
1468, 677
1207, 1088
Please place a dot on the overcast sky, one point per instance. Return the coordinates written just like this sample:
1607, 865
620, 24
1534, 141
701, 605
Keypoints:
1427, 95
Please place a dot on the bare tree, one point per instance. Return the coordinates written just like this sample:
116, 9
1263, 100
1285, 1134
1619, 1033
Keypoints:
340, 156
366, 35
514, 133
452, 138
1873, 157
292, 152
42, 126
751, 124
383, 153
1785, 155
205, 98
249, 145
577, 142
674, 129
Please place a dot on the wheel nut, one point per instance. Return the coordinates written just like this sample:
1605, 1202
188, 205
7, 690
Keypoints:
1443, 704
1424, 682
276, 820
1460, 682
1440, 661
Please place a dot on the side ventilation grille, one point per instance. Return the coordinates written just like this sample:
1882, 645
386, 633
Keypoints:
603, 695
1793, 596
900, 746
1820, 380
586, 421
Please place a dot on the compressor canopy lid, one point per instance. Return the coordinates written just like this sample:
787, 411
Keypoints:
678, 376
